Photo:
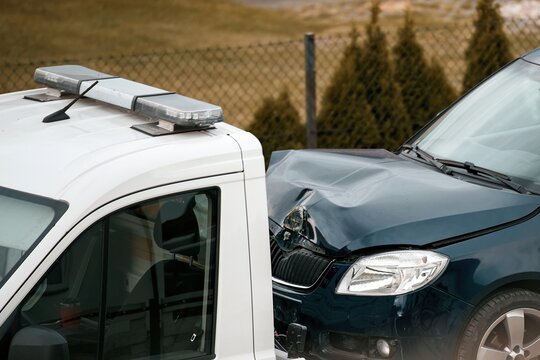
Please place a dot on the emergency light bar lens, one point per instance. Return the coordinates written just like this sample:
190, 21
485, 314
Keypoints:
179, 109
67, 77
143, 99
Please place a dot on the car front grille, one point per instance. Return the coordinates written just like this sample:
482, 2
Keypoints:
299, 267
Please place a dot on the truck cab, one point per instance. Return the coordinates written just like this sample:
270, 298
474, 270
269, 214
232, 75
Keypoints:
122, 243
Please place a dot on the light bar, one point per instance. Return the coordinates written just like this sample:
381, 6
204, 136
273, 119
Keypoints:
182, 112
166, 107
67, 77
119, 92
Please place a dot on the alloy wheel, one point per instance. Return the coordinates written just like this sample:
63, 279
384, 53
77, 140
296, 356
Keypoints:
515, 335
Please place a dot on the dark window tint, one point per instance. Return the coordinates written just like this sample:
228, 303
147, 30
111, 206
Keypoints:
160, 283
159, 275
68, 298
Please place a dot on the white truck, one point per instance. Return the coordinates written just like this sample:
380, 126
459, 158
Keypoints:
133, 225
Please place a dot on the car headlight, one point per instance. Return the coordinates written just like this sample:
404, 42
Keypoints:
392, 273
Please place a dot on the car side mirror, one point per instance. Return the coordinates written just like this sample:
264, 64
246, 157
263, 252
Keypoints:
38, 342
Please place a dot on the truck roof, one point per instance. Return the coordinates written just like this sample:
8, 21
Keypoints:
96, 152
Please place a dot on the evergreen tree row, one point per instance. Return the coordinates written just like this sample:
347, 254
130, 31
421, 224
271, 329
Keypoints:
392, 98
377, 98
489, 48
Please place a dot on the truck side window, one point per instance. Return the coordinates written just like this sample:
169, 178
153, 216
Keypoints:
158, 274
68, 298
160, 282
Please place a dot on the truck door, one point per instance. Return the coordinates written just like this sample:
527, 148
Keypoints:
158, 274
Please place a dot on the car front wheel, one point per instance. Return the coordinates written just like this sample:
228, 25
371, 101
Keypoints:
505, 327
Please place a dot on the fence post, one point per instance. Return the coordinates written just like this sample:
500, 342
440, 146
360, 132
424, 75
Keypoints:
311, 98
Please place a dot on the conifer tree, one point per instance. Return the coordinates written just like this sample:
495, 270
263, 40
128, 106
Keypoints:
443, 94
488, 48
382, 91
424, 87
345, 120
277, 125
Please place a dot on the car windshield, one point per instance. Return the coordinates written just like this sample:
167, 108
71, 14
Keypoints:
24, 219
496, 126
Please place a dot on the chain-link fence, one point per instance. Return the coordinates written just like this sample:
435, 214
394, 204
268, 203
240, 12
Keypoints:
239, 78
236, 78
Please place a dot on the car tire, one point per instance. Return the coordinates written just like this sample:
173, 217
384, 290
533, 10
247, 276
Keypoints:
505, 327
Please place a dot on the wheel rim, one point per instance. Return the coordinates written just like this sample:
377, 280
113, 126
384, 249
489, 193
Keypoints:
515, 335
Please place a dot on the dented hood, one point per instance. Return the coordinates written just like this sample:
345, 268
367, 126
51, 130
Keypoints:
364, 198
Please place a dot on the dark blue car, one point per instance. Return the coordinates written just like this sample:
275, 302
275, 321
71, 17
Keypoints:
431, 252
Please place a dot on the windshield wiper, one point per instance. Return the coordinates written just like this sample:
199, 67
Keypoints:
428, 158
478, 170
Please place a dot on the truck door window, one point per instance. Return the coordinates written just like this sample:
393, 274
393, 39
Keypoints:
160, 283
72, 309
159, 278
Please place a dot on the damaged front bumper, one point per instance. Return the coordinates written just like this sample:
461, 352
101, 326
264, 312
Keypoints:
421, 325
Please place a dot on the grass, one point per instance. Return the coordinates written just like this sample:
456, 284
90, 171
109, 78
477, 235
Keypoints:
51, 29
38, 29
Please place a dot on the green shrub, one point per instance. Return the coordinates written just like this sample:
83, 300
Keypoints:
382, 90
424, 87
277, 125
488, 48
345, 119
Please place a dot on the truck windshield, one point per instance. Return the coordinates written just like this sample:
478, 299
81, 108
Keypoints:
496, 126
24, 219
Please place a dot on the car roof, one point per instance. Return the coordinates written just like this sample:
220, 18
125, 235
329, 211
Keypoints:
97, 150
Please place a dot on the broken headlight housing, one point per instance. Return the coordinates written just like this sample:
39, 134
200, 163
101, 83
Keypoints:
392, 273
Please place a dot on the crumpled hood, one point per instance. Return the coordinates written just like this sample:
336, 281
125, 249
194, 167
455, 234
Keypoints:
364, 198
